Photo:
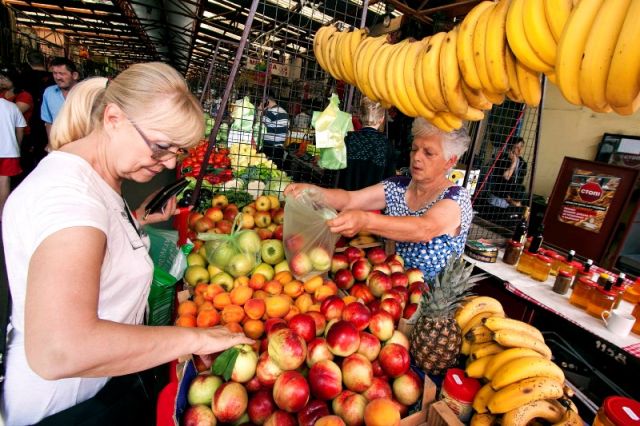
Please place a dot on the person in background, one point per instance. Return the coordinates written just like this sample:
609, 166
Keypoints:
276, 122
66, 75
12, 124
426, 214
370, 155
77, 258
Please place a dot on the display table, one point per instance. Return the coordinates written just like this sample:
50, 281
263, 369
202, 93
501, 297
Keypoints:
541, 294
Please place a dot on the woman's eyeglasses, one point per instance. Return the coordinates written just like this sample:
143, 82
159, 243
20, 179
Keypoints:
158, 151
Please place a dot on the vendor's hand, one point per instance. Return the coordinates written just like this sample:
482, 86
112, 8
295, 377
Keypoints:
294, 189
513, 157
348, 223
165, 214
218, 339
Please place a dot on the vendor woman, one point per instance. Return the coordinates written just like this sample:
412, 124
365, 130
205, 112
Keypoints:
426, 214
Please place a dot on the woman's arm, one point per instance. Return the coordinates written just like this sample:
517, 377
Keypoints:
369, 198
64, 337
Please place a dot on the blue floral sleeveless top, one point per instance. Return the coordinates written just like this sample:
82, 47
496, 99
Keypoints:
432, 256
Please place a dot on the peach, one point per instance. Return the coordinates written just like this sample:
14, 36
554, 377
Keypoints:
186, 321
207, 318
240, 295
369, 346
381, 412
311, 412
261, 406
381, 325
255, 308
343, 338
320, 320
221, 300
280, 418
229, 402
303, 302
267, 371
287, 349
284, 277
313, 283
198, 415
357, 372
293, 311
323, 292
394, 360
291, 391
273, 287
188, 307
350, 407
257, 281
241, 281
357, 314
379, 389
232, 313
330, 421
332, 307
253, 328
325, 380
407, 388
400, 338
304, 325
293, 289
318, 350
277, 306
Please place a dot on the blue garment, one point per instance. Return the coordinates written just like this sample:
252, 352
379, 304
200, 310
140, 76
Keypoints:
430, 257
52, 101
276, 122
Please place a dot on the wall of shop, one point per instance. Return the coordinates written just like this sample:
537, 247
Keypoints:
567, 130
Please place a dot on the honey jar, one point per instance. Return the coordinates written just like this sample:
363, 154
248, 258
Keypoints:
618, 411
581, 294
601, 300
512, 252
563, 282
541, 268
525, 264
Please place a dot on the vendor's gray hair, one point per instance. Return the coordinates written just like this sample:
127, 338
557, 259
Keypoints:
453, 143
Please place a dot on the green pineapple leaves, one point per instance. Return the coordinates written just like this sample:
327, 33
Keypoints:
448, 289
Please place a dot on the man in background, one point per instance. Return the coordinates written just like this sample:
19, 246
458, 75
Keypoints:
12, 124
276, 123
65, 75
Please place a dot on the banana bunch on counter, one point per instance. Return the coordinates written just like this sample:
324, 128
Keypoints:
511, 357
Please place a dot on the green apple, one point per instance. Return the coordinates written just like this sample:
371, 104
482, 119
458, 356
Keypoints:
265, 270
196, 274
240, 264
282, 266
202, 251
272, 251
196, 259
213, 270
249, 241
224, 280
223, 254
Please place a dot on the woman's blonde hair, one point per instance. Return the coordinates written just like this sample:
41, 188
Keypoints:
153, 95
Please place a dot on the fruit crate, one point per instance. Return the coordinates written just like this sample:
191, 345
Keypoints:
440, 414
428, 396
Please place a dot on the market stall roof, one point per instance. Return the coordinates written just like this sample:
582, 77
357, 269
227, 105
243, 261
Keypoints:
184, 33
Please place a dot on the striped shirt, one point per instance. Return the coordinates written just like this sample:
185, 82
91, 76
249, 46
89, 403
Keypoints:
276, 121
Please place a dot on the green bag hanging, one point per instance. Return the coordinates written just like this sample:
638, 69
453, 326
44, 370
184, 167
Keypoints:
331, 127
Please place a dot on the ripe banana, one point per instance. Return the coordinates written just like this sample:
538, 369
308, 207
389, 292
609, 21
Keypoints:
598, 52
479, 334
419, 80
342, 50
476, 320
514, 93
379, 72
571, 47
477, 367
464, 46
397, 82
475, 97
494, 98
537, 31
330, 55
557, 13
495, 46
480, 50
623, 84
496, 323
466, 345
499, 360
480, 350
570, 418
524, 368
530, 85
522, 415
483, 420
476, 306
516, 339
450, 75
452, 120
355, 38
518, 40
524, 392
431, 72
321, 45
413, 57
365, 57
482, 398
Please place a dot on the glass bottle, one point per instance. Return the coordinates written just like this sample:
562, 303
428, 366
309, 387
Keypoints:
536, 242
525, 264
520, 233
512, 252
581, 294
586, 271
541, 268
563, 282
602, 299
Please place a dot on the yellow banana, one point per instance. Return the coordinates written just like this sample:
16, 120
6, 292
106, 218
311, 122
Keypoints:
437, 121
476, 320
537, 31
378, 72
623, 84
321, 49
524, 392
542, 409
481, 350
524, 368
476, 98
518, 40
483, 420
516, 339
316, 40
494, 98
557, 13
480, 50
496, 323
476, 306
452, 120
397, 81
499, 360
419, 81
343, 54
355, 38
571, 47
431, 72
495, 46
598, 52
570, 418
479, 334
363, 62
514, 93
450, 75
464, 46
413, 57
330, 55
482, 398
530, 85
476, 368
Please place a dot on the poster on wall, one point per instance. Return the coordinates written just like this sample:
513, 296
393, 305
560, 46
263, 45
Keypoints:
587, 199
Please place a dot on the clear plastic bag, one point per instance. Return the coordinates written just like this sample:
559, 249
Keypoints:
308, 242
331, 126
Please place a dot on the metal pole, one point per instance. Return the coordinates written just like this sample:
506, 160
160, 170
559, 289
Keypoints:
225, 98
205, 89
363, 22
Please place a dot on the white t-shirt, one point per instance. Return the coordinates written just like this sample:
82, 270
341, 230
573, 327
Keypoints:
65, 191
10, 118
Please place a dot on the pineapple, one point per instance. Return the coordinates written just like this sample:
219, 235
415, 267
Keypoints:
436, 337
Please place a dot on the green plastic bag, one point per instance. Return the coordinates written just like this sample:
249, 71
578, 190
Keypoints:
331, 127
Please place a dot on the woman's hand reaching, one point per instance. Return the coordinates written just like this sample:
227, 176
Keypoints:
169, 210
218, 339
294, 189
348, 223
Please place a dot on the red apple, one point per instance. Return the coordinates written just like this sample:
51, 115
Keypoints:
230, 212
344, 279
393, 307
357, 314
280, 418
325, 380
304, 325
287, 349
357, 372
382, 412
376, 255
320, 258
350, 407
399, 279
339, 261
291, 391
409, 310
407, 388
400, 338
278, 216
318, 350
203, 224
261, 406
395, 257
320, 320
360, 268
198, 415
264, 233
394, 359
369, 346
278, 232
311, 412
300, 264
267, 371
379, 389
414, 275
229, 402
361, 291
354, 253
214, 213
194, 216
254, 384
381, 325
294, 243
379, 283
382, 267
224, 226
377, 370
343, 338
396, 267
332, 307
262, 219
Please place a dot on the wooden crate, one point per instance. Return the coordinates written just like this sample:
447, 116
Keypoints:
440, 414
428, 396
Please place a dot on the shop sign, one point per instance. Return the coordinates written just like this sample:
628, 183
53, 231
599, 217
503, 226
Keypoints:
275, 68
587, 200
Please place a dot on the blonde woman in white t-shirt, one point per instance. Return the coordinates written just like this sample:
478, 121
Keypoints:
78, 267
